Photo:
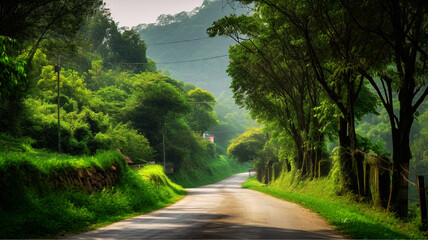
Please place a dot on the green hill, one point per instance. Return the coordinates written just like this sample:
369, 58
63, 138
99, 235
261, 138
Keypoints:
207, 74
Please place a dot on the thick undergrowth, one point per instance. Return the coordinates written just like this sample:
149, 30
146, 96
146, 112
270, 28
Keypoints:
32, 208
354, 218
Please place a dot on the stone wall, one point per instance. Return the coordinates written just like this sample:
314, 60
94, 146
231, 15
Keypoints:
90, 180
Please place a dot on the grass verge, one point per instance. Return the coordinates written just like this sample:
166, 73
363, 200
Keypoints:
356, 220
208, 171
30, 209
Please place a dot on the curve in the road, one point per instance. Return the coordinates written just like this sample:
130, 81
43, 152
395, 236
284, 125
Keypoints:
223, 210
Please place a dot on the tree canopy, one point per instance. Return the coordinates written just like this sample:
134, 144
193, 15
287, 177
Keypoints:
297, 62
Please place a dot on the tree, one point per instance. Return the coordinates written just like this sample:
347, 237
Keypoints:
402, 27
12, 74
126, 47
289, 56
13, 80
312, 35
248, 146
203, 116
31, 23
155, 103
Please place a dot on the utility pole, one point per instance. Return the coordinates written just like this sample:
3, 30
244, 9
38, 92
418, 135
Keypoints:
58, 69
163, 143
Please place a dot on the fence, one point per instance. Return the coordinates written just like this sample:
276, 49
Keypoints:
418, 196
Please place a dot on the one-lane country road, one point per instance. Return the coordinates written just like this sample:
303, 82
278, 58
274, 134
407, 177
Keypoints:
222, 211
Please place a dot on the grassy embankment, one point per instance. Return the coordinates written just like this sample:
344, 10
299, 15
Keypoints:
31, 208
356, 220
207, 171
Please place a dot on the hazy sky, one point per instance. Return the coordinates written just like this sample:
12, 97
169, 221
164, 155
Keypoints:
133, 12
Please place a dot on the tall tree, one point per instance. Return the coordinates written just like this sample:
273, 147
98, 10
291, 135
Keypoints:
297, 32
203, 116
13, 81
126, 49
402, 26
32, 22
272, 79
156, 104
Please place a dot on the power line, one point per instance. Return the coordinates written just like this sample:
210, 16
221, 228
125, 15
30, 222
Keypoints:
225, 131
174, 42
185, 61
195, 60
201, 102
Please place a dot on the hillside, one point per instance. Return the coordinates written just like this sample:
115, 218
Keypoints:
207, 74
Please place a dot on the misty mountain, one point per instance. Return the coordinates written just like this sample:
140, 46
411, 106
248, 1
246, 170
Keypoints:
182, 37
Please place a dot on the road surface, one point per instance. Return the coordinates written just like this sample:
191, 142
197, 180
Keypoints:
221, 210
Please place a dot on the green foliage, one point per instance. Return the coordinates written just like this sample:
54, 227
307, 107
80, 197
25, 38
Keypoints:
117, 47
366, 145
158, 97
13, 77
102, 106
158, 109
13, 84
203, 117
419, 162
48, 21
14, 144
106, 105
275, 83
248, 146
71, 85
83, 132
298, 65
126, 47
31, 209
133, 144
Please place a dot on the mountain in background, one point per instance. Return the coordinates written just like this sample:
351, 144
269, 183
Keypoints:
188, 32
207, 74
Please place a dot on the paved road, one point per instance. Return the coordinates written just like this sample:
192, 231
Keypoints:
221, 210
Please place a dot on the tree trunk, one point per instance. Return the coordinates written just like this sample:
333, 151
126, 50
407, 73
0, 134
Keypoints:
401, 156
357, 160
344, 156
299, 159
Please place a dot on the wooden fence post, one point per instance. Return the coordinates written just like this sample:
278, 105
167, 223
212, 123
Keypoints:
422, 200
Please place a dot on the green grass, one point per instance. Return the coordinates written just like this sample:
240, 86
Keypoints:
47, 162
207, 171
356, 220
31, 209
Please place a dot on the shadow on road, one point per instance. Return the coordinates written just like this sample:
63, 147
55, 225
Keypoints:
199, 226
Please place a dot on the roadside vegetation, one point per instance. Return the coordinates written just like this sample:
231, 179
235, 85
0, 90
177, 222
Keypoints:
74, 88
32, 208
355, 219
340, 90
338, 87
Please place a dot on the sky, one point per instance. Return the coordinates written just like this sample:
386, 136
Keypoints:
130, 13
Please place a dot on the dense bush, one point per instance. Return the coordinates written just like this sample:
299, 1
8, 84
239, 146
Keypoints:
29, 208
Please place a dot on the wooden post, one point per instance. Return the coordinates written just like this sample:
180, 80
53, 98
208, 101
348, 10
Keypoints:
422, 201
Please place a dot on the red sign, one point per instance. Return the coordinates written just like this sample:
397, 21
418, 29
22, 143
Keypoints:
212, 138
